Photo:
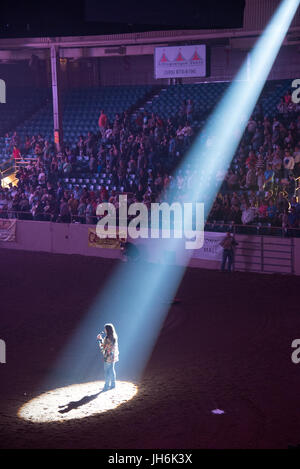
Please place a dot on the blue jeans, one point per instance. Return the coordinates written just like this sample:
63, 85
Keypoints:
227, 256
109, 374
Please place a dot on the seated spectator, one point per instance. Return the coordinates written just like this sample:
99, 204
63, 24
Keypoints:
282, 106
42, 178
81, 211
257, 139
259, 162
248, 214
251, 181
296, 155
90, 213
8, 144
64, 212
189, 110
293, 218
262, 210
73, 203
81, 147
92, 164
16, 153
232, 180
37, 211
251, 160
187, 132
288, 164
260, 176
235, 215
66, 167
251, 127
271, 211
269, 177
102, 122
288, 97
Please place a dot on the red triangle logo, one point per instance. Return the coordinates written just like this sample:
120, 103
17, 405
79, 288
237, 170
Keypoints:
195, 56
164, 58
179, 57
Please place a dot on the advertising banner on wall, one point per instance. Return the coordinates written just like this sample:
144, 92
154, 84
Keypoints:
211, 249
104, 243
180, 61
8, 230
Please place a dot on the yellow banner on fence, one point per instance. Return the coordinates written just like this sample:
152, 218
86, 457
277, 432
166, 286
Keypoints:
104, 243
8, 230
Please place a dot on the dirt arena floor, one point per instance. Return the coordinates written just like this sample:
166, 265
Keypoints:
226, 345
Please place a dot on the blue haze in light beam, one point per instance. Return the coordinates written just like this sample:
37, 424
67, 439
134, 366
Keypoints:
136, 296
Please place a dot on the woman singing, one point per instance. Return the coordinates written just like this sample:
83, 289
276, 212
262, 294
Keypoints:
109, 348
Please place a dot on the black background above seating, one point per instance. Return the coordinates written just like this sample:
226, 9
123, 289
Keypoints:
86, 17
190, 13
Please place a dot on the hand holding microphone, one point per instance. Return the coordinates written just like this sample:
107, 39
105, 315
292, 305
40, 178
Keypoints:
99, 336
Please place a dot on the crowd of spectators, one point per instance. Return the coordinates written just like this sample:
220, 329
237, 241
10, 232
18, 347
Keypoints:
260, 186
140, 155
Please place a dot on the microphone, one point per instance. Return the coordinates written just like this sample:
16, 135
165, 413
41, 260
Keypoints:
102, 333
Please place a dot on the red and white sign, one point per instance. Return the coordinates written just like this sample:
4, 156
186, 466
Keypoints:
180, 61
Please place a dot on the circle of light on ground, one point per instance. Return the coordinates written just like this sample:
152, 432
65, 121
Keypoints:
76, 401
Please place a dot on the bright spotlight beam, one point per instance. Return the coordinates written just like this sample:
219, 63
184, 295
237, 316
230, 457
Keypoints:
214, 148
136, 298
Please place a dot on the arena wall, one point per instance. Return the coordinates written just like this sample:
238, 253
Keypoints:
265, 254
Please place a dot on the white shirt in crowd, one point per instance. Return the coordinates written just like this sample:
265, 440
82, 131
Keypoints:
296, 156
288, 162
42, 178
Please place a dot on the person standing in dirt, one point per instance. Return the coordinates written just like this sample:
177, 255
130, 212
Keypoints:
228, 244
110, 351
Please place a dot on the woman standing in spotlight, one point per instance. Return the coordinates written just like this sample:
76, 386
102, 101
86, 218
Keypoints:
110, 350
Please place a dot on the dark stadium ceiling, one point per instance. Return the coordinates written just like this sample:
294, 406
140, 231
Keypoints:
89, 17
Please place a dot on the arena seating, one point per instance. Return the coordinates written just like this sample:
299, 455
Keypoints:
21, 104
205, 96
29, 112
81, 109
